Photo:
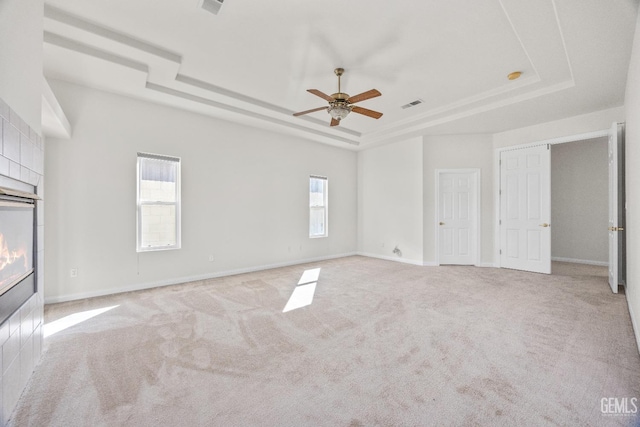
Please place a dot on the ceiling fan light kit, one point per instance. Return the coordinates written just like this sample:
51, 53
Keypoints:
341, 104
339, 110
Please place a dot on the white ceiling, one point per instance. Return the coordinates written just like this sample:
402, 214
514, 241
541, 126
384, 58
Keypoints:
253, 62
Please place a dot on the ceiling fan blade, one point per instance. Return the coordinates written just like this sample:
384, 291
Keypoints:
309, 111
366, 112
322, 95
334, 122
365, 95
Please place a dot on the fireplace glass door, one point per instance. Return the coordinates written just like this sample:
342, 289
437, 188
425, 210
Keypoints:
16, 243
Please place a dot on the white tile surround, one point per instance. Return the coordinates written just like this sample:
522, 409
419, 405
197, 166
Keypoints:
21, 158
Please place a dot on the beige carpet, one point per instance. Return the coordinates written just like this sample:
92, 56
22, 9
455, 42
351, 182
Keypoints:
383, 343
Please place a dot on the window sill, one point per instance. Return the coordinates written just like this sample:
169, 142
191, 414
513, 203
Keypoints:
157, 249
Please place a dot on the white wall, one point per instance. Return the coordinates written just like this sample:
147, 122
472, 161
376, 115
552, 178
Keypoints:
21, 58
459, 152
245, 196
632, 181
579, 201
585, 123
390, 201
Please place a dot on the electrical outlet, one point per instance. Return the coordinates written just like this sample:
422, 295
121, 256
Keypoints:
73, 272
211, 258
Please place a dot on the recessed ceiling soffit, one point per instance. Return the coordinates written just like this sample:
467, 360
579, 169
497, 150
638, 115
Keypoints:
84, 51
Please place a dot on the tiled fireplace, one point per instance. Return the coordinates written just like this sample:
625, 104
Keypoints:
21, 168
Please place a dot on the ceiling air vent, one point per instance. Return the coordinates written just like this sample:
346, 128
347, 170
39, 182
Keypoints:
212, 6
412, 104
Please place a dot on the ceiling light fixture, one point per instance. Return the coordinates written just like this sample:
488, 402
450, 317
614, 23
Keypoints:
339, 109
514, 75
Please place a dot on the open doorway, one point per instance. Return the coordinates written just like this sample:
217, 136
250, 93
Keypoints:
579, 207
523, 185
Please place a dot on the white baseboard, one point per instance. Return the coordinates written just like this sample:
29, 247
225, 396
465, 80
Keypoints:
186, 279
391, 258
581, 261
487, 265
636, 331
414, 262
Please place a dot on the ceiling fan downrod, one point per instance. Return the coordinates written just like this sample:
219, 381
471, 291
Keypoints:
339, 72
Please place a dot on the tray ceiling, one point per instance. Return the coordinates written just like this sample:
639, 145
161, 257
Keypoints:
253, 61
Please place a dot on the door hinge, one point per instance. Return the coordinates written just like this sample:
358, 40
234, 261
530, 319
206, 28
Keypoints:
500, 251
548, 146
499, 222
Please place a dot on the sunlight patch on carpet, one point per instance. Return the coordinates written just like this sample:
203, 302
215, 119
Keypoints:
309, 276
73, 319
302, 295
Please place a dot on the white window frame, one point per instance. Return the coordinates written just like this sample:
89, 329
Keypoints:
140, 203
324, 206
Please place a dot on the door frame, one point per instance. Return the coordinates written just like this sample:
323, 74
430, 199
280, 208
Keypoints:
497, 177
478, 211
617, 199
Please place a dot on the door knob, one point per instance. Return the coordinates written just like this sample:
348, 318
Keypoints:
615, 228
545, 225
441, 223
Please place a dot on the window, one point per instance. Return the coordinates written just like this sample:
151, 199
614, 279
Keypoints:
318, 206
158, 202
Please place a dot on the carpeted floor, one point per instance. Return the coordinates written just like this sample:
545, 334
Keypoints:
383, 343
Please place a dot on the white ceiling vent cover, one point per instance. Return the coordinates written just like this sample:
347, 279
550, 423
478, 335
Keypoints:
212, 6
412, 104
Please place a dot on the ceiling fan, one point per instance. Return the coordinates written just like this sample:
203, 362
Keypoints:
341, 104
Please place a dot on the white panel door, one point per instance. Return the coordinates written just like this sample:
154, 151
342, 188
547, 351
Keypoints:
525, 209
457, 218
614, 226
